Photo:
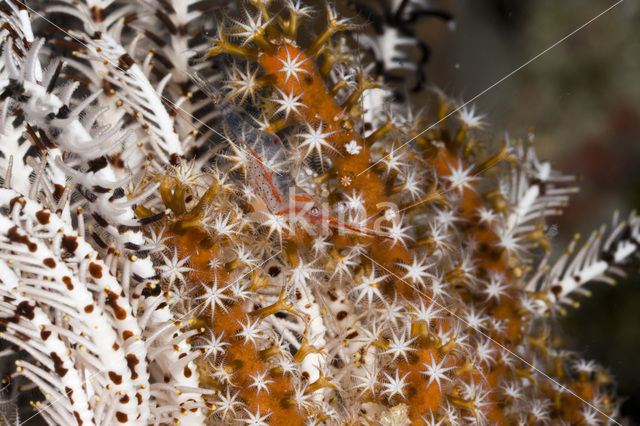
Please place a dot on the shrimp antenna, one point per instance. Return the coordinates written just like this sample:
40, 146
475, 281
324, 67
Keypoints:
204, 85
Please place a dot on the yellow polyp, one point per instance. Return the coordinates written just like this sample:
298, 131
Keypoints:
463, 403
233, 265
223, 46
456, 274
540, 342
276, 371
538, 235
501, 155
322, 382
261, 5
328, 61
433, 195
313, 50
420, 329
172, 195
195, 216
234, 366
277, 125
460, 137
269, 352
262, 39
559, 366
281, 305
467, 368
305, 349
451, 344
526, 373
291, 26
379, 132
258, 281
363, 84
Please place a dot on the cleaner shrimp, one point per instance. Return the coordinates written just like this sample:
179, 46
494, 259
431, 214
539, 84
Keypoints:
275, 188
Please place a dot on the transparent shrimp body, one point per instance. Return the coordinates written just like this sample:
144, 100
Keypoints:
274, 185
265, 157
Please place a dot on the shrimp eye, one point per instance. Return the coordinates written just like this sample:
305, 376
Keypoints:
342, 207
314, 211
